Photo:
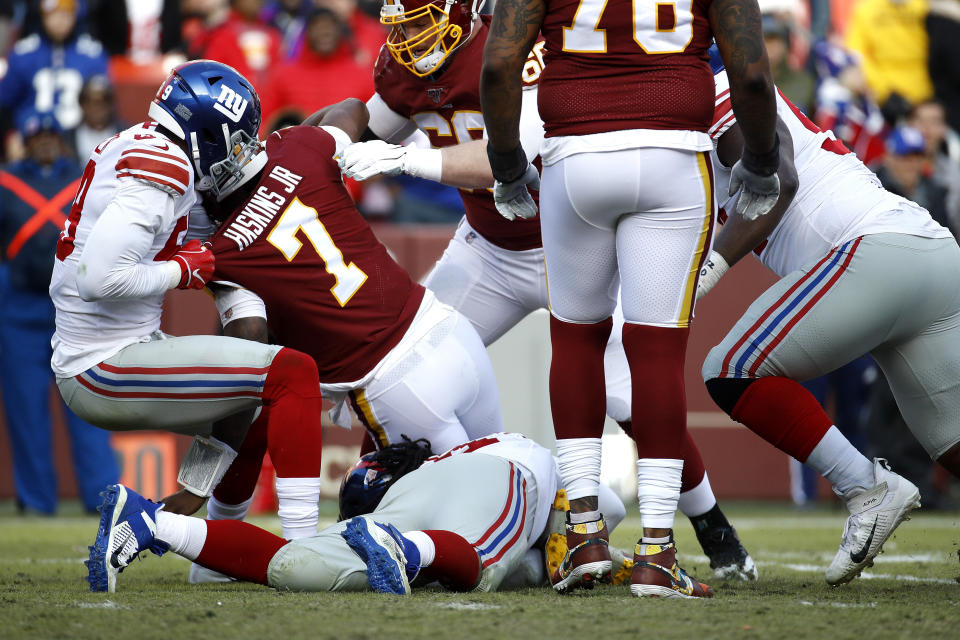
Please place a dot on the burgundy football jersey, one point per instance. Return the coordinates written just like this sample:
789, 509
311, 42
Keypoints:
330, 288
613, 65
447, 107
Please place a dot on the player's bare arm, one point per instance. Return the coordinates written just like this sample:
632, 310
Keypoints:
247, 329
739, 236
736, 27
350, 115
513, 32
465, 166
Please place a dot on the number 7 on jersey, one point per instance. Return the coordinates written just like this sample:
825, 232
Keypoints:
349, 277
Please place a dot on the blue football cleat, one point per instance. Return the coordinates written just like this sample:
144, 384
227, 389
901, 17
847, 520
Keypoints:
411, 554
382, 553
127, 527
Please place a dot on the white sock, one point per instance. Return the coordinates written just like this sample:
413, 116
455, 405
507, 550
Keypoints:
424, 544
579, 462
298, 510
217, 510
611, 506
699, 500
841, 464
185, 535
658, 491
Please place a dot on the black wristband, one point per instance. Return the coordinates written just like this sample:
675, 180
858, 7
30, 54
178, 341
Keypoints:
765, 164
508, 166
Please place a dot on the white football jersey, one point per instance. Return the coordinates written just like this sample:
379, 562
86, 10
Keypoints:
838, 198
533, 458
151, 178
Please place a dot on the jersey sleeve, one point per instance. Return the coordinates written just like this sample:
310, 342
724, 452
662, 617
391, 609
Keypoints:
235, 302
340, 138
723, 117
534, 65
156, 163
113, 262
386, 123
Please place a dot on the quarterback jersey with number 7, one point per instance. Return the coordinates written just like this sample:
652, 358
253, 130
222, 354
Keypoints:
345, 302
410, 364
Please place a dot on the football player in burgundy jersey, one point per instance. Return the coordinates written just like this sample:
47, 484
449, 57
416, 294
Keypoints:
493, 270
302, 261
627, 98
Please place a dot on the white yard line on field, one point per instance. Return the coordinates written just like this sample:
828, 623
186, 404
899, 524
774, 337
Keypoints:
814, 568
840, 605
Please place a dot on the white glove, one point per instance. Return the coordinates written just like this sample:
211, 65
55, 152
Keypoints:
711, 272
512, 198
759, 193
364, 160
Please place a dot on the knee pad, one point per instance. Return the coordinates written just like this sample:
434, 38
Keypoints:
726, 392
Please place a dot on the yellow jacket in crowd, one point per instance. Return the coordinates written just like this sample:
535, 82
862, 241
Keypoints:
890, 37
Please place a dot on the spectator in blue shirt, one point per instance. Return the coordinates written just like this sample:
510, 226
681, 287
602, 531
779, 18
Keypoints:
47, 70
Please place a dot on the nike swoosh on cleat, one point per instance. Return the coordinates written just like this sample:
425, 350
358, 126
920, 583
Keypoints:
861, 555
115, 556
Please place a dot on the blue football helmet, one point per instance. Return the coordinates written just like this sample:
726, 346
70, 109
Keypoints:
366, 482
363, 487
216, 111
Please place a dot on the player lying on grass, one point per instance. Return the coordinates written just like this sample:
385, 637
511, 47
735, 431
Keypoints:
473, 518
493, 271
863, 271
123, 248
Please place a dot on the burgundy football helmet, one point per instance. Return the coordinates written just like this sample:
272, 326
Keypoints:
435, 27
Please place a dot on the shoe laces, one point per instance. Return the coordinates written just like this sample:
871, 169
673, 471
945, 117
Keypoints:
851, 531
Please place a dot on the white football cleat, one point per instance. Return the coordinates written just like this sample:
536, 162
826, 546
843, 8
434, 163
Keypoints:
874, 515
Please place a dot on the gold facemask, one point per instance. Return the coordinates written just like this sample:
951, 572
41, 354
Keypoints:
437, 40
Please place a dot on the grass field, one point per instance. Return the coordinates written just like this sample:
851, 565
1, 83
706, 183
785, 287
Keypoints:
912, 591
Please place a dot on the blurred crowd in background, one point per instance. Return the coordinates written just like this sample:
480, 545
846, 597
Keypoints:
884, 75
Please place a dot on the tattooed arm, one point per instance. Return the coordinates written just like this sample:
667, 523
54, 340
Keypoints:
736, 26
513, 31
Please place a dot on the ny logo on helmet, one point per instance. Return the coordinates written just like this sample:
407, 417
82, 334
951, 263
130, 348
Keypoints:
230, 103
